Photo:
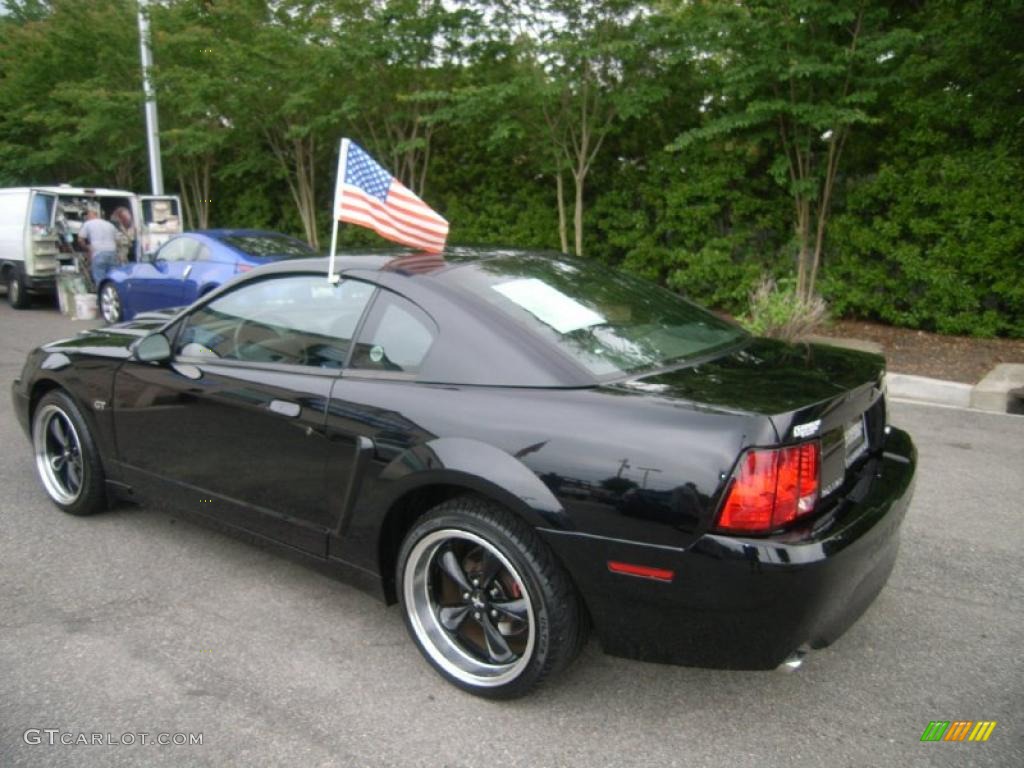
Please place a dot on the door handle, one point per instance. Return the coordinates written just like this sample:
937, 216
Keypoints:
285, 408
187, 271
188, 371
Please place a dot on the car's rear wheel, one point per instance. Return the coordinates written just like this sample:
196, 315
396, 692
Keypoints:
17, 295
67, 461
110, 303
485, 600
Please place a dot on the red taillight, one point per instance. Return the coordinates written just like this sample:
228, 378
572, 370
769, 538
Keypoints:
240, 267
771, 487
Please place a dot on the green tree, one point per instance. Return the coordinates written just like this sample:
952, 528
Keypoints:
191, 84
71, 93
581, 66
938, 219
798, 76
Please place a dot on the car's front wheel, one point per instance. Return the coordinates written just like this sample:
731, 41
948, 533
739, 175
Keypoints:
67, 461
110, 303
485, 600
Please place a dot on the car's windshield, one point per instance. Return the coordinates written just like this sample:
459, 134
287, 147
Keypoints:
607, 320
279, 246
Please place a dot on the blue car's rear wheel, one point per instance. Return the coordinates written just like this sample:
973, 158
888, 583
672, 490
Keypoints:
110, 303
485, 600
67, 461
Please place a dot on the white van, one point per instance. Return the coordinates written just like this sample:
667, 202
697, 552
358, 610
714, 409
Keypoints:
39, 229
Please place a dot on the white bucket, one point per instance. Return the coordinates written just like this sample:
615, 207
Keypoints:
85, 306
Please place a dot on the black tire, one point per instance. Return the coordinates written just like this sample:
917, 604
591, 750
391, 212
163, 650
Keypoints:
110, 304
60, 435
516, 618
17, 293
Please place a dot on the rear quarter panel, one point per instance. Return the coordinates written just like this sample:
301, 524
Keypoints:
617, 464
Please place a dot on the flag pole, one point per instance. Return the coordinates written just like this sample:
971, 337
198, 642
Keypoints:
342, 157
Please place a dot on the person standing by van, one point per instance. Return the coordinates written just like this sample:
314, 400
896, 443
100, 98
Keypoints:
121, 218
101, 236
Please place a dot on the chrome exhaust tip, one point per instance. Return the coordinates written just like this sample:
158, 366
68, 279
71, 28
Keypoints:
794, 661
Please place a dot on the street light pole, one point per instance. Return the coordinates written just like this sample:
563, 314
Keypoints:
156, 172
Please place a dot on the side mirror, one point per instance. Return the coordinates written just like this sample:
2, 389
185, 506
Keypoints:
154, 348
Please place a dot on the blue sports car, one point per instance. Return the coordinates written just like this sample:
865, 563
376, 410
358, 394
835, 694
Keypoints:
190, 265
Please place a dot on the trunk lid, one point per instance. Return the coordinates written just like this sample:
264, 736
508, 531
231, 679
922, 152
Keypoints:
805, 390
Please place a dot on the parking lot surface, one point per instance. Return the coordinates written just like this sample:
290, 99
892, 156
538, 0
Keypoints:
139, 622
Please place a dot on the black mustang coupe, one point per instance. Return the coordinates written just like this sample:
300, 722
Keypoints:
515, 447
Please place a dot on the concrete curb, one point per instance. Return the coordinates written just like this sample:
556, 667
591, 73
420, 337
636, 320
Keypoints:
1001, 391
925, 390
996, 393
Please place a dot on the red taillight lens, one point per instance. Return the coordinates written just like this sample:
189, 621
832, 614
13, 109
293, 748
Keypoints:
771, 487
240, 267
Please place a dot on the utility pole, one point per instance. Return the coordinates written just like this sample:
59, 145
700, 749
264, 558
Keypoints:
156, 171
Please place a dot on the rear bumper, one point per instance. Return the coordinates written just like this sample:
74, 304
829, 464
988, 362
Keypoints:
41, 283
738, 603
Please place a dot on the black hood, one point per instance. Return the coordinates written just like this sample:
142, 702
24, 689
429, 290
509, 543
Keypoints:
115, 340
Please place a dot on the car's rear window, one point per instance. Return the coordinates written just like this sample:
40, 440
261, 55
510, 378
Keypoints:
609, 321
278, 246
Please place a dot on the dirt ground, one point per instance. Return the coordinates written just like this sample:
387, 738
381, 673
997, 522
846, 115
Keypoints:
954, 358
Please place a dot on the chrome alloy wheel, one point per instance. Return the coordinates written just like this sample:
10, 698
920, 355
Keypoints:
469, 607
110, 304
58, 451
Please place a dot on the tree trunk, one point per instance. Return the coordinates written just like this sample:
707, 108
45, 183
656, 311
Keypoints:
803, 211
205, 201
577, 214
296, 159
186, 203
563, 235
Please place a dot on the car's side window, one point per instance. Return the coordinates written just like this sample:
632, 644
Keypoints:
189, 248
296, 320
396, 336
173, 250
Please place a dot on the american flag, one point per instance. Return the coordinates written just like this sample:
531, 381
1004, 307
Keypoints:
371, 197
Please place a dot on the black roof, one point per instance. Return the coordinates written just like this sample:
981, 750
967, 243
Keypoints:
400, 260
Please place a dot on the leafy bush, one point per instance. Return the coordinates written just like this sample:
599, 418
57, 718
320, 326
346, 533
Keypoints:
776, 311
935, 245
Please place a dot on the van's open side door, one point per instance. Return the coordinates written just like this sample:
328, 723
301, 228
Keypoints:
160, 220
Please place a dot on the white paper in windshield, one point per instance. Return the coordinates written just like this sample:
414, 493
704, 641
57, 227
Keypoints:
549, 305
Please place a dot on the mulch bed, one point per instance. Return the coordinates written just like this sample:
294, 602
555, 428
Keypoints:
954, 358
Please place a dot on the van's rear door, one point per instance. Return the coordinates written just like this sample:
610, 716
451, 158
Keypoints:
159, 221
41, 255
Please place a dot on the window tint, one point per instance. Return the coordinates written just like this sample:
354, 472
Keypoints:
298, 320
607, 320
396, 337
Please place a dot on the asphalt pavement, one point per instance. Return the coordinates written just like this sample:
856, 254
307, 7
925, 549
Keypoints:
138, 622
